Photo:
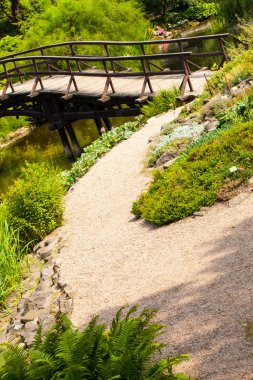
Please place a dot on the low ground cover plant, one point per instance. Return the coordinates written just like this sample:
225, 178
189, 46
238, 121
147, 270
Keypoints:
97, 149
125, 351
210, 169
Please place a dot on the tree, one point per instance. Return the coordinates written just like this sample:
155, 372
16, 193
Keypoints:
161, 7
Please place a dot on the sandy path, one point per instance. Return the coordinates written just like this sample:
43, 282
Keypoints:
198, 271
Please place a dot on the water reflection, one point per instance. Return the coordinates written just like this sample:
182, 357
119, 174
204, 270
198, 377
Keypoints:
43, 145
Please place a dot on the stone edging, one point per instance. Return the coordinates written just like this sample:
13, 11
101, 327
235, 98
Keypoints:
50, 297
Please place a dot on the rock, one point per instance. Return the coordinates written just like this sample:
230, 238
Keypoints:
23, 305
68, 291
45, 252
47, 322
251, 181
41, 302
50, 240
180, 120
168, 164
154, 137
37, 246
165, 157
29, 338
197, 213
210, 124
46, 273
238, 199
65, 306
31, 326
18, 327
31, 315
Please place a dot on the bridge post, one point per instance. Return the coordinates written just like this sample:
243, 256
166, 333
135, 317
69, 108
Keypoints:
99, 125
73, 139
65, 142
108, 123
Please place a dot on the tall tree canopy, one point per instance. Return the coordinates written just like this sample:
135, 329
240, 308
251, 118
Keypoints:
87, 20
161, 7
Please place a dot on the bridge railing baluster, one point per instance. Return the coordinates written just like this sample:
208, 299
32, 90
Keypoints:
73, 53
108, 55
47, 64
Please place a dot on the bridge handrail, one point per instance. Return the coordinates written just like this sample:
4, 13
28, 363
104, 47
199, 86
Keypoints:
118, 43
107, 72
97, 58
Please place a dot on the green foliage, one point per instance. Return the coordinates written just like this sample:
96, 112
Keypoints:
162, 102
173, 147
87, 20
199, 176
200, 10
125, 351
162, 7
11, 254
97, 149
239, 112
234, 9
34, 202
240, 67
10, 124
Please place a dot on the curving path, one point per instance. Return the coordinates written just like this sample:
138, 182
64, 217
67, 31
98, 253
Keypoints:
198, 271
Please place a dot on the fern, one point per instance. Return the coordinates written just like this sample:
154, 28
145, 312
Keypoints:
124, 352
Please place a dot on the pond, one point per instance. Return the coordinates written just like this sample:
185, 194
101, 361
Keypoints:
43, 145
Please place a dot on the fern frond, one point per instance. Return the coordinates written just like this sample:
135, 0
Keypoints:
15, 363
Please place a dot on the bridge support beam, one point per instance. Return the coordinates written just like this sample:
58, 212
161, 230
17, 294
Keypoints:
65, 143
108, 123
73, 139
99, 125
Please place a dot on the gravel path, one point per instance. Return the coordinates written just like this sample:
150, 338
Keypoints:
198, 271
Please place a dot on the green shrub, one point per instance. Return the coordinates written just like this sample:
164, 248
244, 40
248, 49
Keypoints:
124, 352
234, 9
162, 102
34, 202
11, 254
240, 67
199, 176
96, 150
11, 124
200, 10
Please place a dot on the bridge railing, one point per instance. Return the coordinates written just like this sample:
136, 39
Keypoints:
79, 48
39, 67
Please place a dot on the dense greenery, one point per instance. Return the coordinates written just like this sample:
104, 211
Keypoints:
97, 149
162, 102
26, 24
234, 9
216, 164
124, 352
10, 124
66, 20
171, 13
34, 202
11, 254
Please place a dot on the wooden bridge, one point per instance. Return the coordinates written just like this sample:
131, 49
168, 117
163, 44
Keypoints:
60, 89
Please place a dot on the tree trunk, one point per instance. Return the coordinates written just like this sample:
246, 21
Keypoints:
15, 10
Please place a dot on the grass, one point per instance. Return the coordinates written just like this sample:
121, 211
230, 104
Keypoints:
11, 124
11, 257
200, 176
162, 102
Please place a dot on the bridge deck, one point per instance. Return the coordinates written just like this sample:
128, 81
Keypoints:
128, 86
